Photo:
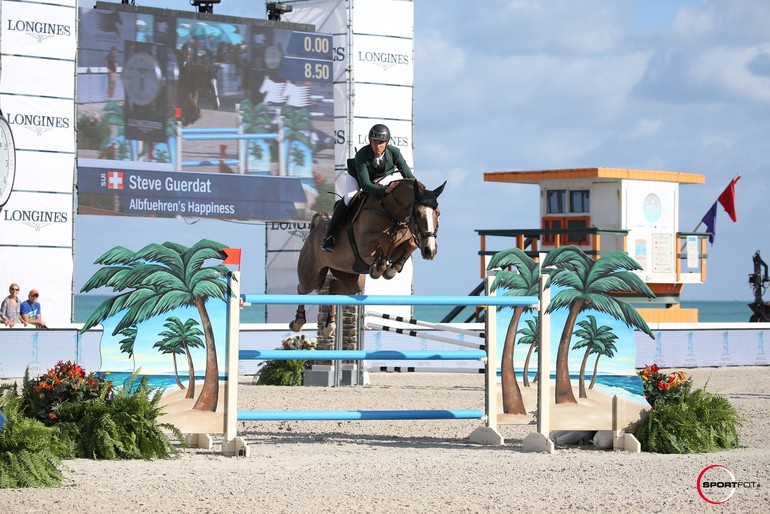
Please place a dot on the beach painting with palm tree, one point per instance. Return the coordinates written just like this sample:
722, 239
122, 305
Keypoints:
593, 351
167, 320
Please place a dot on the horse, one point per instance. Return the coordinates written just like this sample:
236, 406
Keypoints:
378, 236
195, 80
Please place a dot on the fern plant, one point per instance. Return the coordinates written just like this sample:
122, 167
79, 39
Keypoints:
123, 427
696, 422
281, 373
30, 452
286, 372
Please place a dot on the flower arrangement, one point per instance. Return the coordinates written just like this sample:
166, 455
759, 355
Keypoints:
661, 387
299, 342
683, 420
288, 372
65, 382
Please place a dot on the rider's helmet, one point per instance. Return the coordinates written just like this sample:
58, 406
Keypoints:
380, 132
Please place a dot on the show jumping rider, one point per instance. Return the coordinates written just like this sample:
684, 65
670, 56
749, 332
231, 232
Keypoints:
374, 162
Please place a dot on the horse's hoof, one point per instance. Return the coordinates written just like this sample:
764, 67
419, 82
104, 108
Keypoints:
328, 330
375, 273
389, 273
296, 325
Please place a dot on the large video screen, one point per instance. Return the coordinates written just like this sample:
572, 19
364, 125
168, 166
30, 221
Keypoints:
183, 115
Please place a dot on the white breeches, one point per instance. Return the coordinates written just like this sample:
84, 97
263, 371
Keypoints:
351, 185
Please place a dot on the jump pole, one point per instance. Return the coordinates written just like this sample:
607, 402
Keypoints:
234, 445
414, 333
427, 324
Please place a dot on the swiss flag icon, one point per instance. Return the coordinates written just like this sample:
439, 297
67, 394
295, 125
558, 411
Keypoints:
115, 180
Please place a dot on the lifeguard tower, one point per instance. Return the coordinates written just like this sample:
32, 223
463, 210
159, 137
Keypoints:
602, 210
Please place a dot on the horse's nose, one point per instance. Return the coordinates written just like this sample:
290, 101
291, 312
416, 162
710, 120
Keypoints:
429, 249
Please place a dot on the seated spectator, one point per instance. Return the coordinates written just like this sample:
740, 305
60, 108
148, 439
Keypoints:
32, 311
10, 308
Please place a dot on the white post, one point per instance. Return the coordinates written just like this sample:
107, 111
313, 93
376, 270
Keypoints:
233, 445
539, 441
489, 433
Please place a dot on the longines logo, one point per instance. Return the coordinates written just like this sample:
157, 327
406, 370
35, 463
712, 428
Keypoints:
384, 60
300, 230
38, 123
401, 142
38, 29
35, 219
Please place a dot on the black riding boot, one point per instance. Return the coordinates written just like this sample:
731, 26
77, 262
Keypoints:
337, 215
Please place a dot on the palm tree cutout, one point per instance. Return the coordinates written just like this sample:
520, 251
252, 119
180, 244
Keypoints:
297, 126
591, 337
524, 283
606, 349
158, 279
530, 336
178, 340
256, 119
588, 285
126, 344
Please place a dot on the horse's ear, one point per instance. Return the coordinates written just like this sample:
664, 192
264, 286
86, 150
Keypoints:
439, 189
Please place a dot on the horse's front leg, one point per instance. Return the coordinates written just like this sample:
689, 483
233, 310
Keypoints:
329, 325
399, 258
379, 266
299, 319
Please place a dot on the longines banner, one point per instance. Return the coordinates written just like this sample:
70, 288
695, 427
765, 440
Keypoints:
373, 83
380, 57
37, 91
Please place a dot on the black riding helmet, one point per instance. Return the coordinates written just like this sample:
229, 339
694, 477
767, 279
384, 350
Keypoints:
379, 132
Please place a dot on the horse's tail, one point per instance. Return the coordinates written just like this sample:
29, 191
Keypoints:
318, 218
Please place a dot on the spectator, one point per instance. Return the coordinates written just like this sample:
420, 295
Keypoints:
31, 310
9, 309
111, 63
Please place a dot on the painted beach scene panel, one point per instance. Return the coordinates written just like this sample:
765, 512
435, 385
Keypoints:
592, 348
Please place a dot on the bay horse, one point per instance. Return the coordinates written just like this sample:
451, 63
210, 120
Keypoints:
378, 240
195, 80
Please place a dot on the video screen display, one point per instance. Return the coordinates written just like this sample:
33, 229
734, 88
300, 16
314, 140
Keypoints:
180, 115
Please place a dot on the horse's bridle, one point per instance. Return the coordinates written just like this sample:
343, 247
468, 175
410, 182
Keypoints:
410, 221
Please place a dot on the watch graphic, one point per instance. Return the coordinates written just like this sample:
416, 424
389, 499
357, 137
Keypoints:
142, 78
7, 160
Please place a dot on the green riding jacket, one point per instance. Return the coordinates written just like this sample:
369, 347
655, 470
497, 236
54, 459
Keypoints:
366, 174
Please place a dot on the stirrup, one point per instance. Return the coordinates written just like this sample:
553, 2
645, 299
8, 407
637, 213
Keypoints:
328, 244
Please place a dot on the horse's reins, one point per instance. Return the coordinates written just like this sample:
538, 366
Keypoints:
409, 221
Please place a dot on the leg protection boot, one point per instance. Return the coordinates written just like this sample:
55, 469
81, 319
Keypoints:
337, 215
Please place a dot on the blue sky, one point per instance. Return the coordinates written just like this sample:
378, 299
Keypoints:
526, 85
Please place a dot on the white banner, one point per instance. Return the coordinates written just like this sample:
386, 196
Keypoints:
383, 102
400, 134
37, 219
38, 89
44, 171
39, 30
384, 60
41, 124
392, 17
31, 76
